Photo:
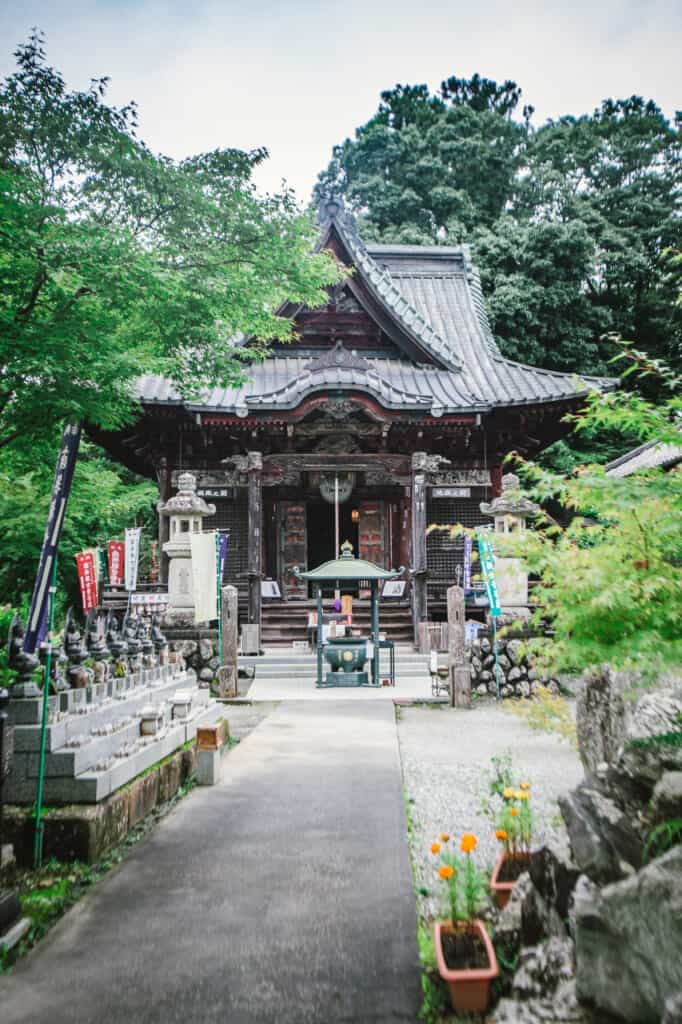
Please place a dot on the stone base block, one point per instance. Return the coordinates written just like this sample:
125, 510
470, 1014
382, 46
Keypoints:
86, 833
208, 767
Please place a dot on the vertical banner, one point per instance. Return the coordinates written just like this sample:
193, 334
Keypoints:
116, 555
103, 567
467, 563
61, 488
86, 563
132, 557
223, 540
485, 551
152, 562
204, 590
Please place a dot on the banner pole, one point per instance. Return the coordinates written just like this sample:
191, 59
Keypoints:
219, 603
497, 663
38, 837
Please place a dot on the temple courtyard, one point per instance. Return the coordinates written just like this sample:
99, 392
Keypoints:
286, 892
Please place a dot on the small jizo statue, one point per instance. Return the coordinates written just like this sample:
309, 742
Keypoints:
23, 663
76, 652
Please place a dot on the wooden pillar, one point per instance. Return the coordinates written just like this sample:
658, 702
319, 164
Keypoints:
460, 677
418, 536
255, 521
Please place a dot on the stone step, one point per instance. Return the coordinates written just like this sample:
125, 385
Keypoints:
66, 726
92, 786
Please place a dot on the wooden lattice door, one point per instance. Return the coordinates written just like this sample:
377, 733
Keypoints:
372, 532
293, 544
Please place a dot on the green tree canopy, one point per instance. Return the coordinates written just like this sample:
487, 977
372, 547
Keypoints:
611, 579
116, 262
571, 224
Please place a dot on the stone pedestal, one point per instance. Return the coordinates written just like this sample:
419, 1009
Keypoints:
512, 586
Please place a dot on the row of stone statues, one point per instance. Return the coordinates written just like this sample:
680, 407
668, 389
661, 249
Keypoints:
105, 647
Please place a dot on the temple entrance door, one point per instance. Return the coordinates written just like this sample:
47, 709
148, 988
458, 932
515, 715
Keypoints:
292, 548
372, 532
321, 530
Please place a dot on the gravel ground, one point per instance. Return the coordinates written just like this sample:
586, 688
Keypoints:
447, 769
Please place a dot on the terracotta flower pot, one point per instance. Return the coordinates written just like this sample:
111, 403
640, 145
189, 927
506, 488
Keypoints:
469, 987
502, 890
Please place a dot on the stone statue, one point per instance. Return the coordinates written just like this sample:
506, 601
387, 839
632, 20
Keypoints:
117, 645
78, 675
159, 640
148, 655
23, 663
130, 632
97, 647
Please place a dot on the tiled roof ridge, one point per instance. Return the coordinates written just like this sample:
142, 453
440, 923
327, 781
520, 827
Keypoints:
381, 283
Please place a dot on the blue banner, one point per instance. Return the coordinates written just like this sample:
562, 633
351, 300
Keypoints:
223, 539
485, 552
61, 488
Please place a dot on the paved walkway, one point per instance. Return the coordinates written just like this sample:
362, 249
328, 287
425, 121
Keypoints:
282, 894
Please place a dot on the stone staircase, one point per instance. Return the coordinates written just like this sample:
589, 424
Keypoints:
286, 621
102, 736
277, 666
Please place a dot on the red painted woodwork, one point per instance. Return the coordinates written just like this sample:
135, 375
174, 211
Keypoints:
292, 548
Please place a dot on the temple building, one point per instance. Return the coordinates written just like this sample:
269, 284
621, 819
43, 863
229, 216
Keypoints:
395, 397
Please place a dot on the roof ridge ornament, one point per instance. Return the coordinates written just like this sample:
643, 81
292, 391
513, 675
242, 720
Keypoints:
338, 356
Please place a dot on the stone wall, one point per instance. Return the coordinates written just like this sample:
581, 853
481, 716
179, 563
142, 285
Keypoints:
199, 648
518, 677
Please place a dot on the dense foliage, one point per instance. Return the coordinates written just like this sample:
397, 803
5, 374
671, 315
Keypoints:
611, 579
570, 223
115, 261
104, 500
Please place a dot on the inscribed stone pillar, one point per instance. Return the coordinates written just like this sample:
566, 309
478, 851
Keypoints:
226, 676
460, 678
418, 541
255, 475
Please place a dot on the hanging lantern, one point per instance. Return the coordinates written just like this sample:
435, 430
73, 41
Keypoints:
355, 516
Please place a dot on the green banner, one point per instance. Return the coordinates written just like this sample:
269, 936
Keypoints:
487, 559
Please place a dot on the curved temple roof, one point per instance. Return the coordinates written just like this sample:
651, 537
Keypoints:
433, 296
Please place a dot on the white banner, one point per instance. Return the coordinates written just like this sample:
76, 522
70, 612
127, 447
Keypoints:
204, 578
132, 556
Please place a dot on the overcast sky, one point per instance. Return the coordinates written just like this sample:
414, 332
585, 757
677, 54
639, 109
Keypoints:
299, 77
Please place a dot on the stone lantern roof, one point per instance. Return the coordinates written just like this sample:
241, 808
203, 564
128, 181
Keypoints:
186, 501
511, 502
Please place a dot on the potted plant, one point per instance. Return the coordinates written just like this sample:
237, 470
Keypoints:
464, 953
515, 831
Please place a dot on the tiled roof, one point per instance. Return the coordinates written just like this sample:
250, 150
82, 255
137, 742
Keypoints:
647, 456
433, 293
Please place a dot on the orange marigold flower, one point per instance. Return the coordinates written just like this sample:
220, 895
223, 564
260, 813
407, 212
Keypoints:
469, 842
435, 847
513, 811
444, 836
446, 871
501, 835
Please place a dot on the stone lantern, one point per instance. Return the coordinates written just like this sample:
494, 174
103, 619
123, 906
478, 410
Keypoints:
186, 511
510, 511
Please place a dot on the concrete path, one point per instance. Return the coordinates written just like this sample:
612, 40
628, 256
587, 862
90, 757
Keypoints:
282, 894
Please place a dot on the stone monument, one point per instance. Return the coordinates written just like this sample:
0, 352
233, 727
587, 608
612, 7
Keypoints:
510, 511
186, 511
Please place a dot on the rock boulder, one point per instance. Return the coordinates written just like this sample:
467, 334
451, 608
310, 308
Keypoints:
628, 937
